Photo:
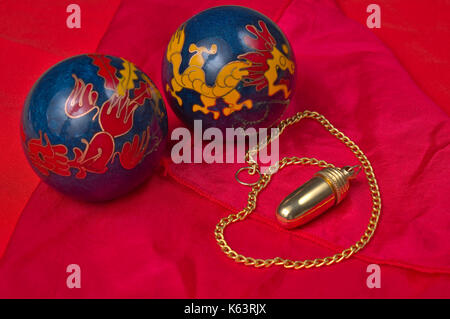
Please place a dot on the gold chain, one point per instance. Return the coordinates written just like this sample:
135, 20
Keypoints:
264, 181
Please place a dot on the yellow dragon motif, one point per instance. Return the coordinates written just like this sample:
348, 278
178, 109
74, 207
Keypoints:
258, 68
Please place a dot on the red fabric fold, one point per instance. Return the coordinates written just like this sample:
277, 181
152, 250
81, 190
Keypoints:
414, 31
347, 74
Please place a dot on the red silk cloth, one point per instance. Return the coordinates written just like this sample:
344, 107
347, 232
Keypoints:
158, 241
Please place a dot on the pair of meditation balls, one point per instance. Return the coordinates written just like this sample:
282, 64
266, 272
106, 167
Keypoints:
94, 126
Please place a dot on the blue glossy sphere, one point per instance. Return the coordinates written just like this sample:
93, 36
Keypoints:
229, 66
94, 127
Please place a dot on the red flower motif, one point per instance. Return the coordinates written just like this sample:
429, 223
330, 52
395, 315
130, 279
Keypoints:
82, 99
133, 153
48, 158
105, 70
116, 114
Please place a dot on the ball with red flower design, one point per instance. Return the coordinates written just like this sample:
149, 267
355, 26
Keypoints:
94, 127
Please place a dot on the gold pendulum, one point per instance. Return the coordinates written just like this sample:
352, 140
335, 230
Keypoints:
326, 189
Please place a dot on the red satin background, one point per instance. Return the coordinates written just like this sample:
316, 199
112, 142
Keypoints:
158, 241
33, 37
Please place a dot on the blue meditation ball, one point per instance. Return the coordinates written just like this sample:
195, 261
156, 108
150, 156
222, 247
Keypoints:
94, 127
229, 67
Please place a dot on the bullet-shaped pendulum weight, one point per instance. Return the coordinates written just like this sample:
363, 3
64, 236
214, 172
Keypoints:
326, 189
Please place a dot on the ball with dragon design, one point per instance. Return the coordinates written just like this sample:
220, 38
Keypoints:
229, 67
94, 127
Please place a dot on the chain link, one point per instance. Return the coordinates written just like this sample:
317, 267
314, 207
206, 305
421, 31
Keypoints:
264, 181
